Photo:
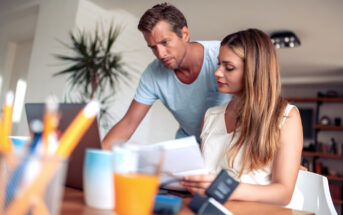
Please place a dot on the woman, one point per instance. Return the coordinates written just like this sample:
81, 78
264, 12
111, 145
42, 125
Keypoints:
257, 136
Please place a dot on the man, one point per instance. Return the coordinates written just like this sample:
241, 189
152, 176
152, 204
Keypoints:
182, 76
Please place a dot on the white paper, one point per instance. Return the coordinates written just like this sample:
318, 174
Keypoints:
182, 157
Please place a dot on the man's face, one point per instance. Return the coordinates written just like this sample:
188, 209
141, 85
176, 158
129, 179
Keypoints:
166, 45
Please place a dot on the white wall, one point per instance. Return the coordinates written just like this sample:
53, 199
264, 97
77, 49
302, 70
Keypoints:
21, 62
47, 21
55, 19
9, 51
19, 72
17, 26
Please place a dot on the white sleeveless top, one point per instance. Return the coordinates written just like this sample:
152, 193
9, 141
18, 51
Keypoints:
215, 143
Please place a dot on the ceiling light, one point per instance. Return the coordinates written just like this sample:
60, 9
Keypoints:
285, 39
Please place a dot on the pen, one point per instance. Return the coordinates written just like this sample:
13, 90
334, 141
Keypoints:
36, 126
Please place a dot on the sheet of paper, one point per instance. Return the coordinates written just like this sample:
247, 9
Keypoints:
181, 157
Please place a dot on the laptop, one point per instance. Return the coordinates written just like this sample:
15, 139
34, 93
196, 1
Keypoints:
91, 139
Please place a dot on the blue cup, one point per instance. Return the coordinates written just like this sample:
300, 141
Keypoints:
98, 179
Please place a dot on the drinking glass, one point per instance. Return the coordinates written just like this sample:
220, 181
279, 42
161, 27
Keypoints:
136, 170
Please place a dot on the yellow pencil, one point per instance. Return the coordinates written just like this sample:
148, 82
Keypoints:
50, 123
6, 144
77, 128
1, 133
39, 207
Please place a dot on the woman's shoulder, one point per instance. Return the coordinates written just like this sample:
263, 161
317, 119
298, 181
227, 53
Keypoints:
288, 109
289, 112
214, 113
217, 109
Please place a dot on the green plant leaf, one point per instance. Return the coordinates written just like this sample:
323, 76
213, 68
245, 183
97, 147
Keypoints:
94, 68
77, 68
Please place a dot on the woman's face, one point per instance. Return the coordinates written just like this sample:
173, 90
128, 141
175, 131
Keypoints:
230, 71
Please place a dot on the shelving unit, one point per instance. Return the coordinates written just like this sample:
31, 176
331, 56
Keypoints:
317, 128
334, 178
325, 155
315, 99
319, 154
328, 127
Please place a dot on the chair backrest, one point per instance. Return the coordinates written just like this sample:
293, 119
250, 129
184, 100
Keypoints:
314, 194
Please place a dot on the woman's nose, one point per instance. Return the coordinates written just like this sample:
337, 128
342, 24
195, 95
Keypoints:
218, 72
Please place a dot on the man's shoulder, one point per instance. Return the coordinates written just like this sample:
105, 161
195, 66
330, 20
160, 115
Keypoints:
210, 45
211, 50
155, 67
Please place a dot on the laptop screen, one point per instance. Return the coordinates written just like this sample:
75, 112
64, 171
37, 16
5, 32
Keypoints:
91, 138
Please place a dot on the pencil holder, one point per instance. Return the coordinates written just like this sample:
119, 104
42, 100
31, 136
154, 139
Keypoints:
31, 184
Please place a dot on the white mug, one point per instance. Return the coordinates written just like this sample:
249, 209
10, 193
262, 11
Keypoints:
98, 179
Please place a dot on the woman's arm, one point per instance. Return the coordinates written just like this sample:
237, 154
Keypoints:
285, 169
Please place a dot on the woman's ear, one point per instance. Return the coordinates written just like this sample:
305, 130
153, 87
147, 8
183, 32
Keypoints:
185, 34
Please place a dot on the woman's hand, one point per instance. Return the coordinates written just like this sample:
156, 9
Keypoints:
198, 183
303, 168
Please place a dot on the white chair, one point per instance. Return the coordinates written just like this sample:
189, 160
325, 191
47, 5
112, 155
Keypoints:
312, 194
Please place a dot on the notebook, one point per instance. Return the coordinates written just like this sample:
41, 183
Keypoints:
91, 138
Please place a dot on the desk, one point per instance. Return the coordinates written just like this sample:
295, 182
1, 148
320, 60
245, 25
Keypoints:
73, 203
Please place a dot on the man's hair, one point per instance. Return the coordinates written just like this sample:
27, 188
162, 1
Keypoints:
163, 12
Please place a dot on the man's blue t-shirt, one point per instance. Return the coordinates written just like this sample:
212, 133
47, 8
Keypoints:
187, 102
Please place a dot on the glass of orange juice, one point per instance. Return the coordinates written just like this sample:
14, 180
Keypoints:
136, 170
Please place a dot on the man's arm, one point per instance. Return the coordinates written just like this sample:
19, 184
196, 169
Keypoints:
123, 130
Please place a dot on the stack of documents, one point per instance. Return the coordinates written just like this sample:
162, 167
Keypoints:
182, 157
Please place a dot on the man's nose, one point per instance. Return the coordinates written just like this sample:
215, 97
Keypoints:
160, 52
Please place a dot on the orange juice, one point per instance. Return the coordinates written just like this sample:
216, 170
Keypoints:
134, 193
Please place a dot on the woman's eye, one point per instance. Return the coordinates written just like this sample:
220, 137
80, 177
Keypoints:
229, 69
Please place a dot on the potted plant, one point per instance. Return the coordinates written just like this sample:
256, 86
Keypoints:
95, 70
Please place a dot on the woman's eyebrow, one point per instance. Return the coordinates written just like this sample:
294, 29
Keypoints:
227, 62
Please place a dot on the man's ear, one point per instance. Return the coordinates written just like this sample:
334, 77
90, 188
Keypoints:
185, 33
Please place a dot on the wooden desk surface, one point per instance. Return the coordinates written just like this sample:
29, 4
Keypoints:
73, 203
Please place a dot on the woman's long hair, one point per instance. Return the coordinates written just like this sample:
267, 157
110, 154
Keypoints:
261, 110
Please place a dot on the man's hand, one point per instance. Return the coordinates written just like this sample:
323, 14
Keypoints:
198, 183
